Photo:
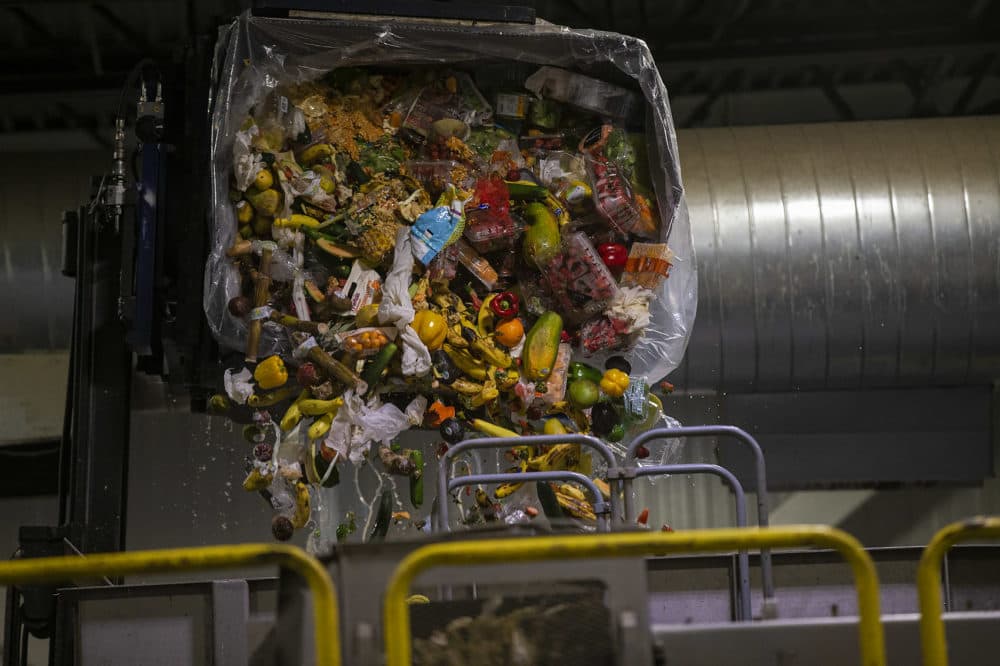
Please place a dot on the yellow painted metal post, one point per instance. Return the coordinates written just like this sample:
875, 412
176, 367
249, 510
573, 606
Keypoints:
56, 569
398, 648
932, 638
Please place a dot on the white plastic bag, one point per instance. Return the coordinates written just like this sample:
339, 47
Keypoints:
397, 307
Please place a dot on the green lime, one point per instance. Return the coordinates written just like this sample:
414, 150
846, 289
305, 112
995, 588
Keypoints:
584, 393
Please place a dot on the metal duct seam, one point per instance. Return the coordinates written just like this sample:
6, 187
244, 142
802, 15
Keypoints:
845, 255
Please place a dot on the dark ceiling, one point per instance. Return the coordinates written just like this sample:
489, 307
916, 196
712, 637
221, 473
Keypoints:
65, 60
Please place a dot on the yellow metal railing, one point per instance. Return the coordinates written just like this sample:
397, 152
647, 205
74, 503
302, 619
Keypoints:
398, 648
56, 569
932, 638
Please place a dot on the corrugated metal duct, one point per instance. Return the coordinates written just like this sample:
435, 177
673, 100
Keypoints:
845, 255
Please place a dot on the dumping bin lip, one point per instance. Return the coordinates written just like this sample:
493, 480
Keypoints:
396, 620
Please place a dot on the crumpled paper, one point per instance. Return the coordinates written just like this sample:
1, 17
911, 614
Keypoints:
397, 307
239, 386
358, 424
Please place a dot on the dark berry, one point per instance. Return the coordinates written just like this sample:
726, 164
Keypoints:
282, 528
263, 452
641, 452
240, 306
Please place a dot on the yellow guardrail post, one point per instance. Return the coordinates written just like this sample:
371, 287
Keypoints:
932, 639
56, 569
398, 648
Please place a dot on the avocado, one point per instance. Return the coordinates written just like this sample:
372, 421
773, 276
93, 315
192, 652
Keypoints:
541, 346
541, 240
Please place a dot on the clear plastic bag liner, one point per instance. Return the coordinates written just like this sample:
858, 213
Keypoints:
254, 55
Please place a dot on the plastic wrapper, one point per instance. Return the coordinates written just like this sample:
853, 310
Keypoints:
255, 55
331, 141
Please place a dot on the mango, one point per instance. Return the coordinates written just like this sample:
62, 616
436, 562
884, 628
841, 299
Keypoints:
541, 346
542, 241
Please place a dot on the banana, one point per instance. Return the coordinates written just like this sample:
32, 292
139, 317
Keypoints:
270, 399
293, 414
465, 387
507, 489
257, 481
321, 425
302, 508
576, 508
312, 407
315, 153
572, 491
474, 368
295, 221
492, 429
560, 456
488, 394
603, 486
557, 207
485, 319
454, 337
491, 354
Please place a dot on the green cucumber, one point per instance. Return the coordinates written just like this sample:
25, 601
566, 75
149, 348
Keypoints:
375, 367
525, 191
383, 518
417, 479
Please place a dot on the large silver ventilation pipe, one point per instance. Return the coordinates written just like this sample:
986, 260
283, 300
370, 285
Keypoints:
844, 255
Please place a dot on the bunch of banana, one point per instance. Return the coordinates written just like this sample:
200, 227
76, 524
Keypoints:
454, 332
465, 362
572, 500
448, 300
490, 353
487, 395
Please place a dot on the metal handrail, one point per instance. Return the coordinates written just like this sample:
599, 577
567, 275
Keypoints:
760, 468
396, 620
743, 610
600, 509
56, 569
933, 642
444, 468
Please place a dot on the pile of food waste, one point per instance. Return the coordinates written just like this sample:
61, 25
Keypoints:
411, 255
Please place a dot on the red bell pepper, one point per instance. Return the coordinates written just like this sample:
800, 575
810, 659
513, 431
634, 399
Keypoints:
614, 255
505, 305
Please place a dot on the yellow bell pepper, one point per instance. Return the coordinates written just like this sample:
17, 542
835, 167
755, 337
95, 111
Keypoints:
271, 373
431, 328
614, 382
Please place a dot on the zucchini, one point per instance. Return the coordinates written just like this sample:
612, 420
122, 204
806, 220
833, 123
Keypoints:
375, 367
417, 479
382, 518
525, 190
